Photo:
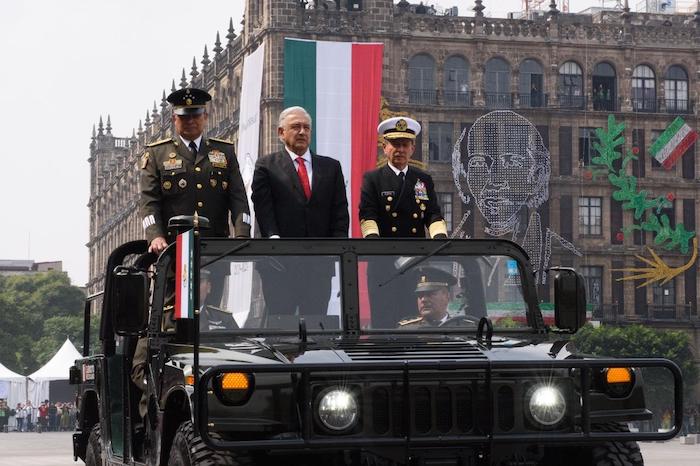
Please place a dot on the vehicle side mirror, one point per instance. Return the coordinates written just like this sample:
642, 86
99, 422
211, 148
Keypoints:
129, 301
569, 299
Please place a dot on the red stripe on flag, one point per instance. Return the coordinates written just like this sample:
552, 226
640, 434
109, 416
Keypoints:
366, 103
366, 94
178, 278
680, 149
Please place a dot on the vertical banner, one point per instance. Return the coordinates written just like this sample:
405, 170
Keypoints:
340, 85
184, 276
241, 275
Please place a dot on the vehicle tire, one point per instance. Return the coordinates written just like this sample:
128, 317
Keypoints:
625, 453
93, 454
190, 450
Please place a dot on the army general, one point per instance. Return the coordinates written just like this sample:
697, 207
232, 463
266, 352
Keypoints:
191, 172
398, 200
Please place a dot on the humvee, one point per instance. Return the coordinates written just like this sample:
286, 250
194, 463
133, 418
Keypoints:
315, 366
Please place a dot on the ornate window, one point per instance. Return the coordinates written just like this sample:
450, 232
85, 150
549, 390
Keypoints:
456, 82
643, 89
604, 86
676, 90
590, 215
531, 84
570, 86
497, 84
421, 80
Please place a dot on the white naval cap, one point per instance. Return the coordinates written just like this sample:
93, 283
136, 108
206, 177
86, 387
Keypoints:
398, 128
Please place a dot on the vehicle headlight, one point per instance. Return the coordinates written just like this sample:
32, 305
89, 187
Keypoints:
337, 409
546, 404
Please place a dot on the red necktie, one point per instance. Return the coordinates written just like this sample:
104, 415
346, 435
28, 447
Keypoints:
303, 177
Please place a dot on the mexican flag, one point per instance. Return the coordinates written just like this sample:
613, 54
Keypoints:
184, 276
673, 143
339, 84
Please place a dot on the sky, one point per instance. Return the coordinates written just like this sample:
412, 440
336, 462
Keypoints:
66, 63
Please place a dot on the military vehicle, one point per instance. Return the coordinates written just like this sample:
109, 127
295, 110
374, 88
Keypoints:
325, 356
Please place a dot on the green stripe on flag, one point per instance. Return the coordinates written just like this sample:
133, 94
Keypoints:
300, 77
667, 135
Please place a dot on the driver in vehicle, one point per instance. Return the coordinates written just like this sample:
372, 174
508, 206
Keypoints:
433, 296
211, 318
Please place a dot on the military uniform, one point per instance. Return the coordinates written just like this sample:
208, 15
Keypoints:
176, 182
399, 211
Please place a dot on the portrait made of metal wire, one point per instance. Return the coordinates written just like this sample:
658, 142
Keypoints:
505, 175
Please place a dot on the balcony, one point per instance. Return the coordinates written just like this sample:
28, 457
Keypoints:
606, 104
422, 97
573, 102
677, 106
533, 100
644, 105
659, 313
457, 98
498, 100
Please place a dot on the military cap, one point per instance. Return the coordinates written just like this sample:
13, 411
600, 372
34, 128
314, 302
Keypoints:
189, 101
399, 128
431, 279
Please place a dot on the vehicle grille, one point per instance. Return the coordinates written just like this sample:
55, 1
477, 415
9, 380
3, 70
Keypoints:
412, 351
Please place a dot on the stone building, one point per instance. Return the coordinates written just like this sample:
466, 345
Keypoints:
565, 73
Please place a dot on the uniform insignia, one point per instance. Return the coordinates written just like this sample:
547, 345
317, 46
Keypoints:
144, 160
188, 101
224, 184
388, 208
167, 185
212, 182
172, 155
158, 143
421, 191
401, 125
422, 207
410, 321
225, 141
182, 183
388, 193
217, 159
172, 164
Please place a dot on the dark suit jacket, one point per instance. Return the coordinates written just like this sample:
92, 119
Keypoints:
281, 207
399, 213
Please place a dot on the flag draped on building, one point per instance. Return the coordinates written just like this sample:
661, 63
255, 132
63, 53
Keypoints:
339, 84
673, 143
184, 276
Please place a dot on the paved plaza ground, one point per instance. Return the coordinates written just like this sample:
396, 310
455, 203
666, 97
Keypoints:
55, 449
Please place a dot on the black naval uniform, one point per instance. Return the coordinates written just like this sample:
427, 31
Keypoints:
399, 212
175, 182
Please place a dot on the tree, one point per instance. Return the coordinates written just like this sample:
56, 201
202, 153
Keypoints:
35, 311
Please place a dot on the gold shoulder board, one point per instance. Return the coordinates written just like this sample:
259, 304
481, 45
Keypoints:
158, 143
410, 321
225, 141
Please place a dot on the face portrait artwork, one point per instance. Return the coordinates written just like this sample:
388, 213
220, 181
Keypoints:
507, 167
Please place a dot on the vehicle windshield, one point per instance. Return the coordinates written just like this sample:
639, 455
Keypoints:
392, 292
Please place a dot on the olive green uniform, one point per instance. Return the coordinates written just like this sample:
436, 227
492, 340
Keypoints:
176, 182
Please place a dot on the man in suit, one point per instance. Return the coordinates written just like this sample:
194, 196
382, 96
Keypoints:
298, 194
190, 172
398, 200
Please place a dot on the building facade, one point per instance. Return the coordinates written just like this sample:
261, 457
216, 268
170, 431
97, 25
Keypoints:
564, 73
28, 267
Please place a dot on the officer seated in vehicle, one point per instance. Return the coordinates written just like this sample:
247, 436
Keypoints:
433, 296
211, 318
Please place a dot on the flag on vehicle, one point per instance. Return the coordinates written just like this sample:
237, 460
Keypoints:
673, 143
339, 84
184, 276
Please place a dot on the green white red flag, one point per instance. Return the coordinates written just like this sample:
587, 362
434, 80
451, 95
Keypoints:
340, 85
184, 276
673, 143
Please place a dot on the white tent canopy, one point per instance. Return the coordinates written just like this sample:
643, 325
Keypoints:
56, 369
13, 387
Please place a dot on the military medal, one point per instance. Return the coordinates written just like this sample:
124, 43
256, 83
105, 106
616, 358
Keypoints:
172, 164
212, 182
182, 183
217, 159
421, 191
224, 184
167, 185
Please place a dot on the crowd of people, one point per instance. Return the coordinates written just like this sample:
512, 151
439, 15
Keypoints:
49, 416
